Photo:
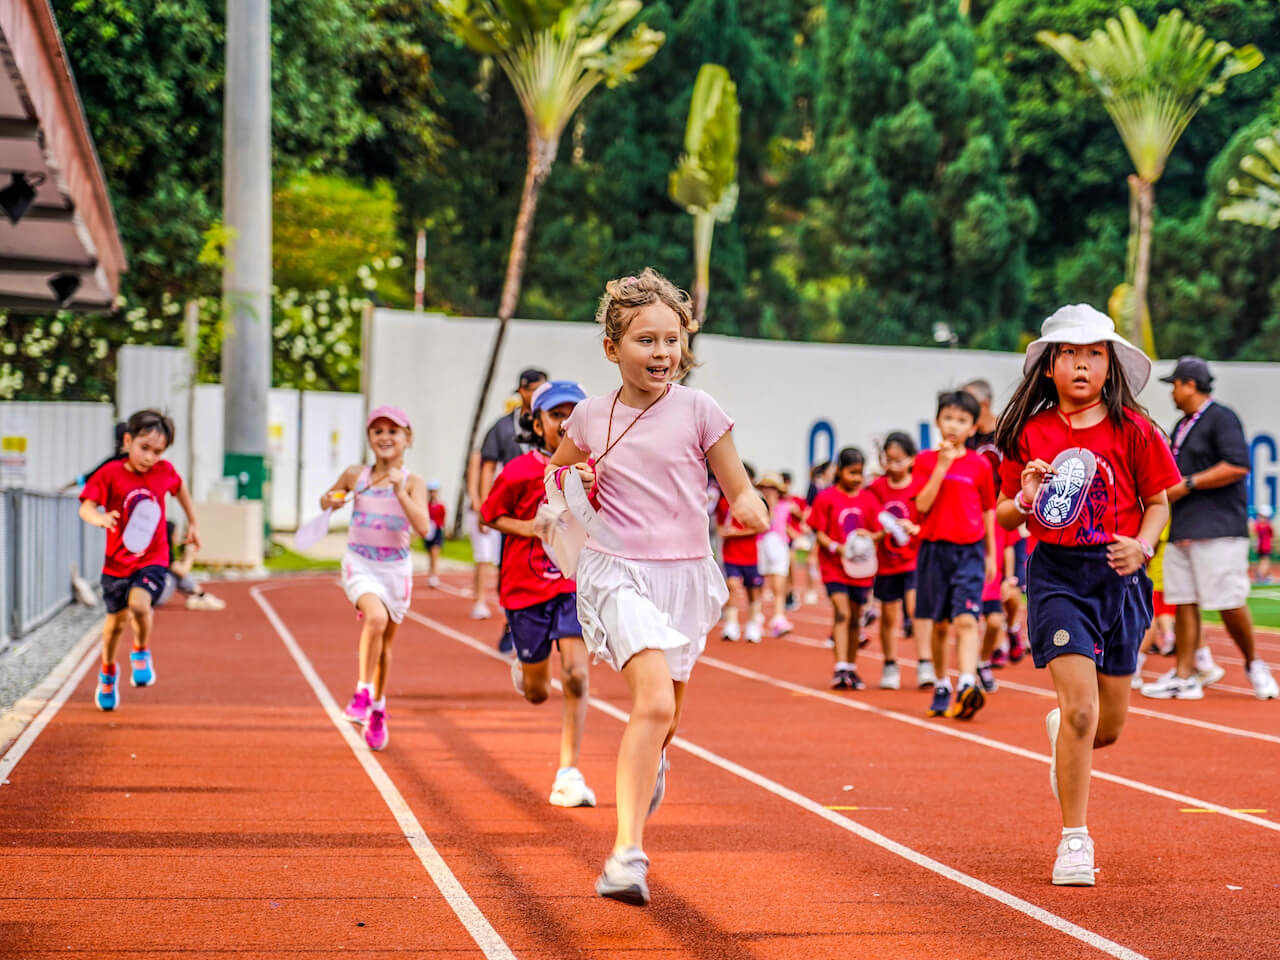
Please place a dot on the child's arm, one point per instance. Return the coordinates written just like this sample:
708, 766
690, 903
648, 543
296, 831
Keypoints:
1008, 512
568, 454
189, 508
511, 527
412, 494
1126, 555
746, 504
989, 522
335, 496
91, 515
948, 454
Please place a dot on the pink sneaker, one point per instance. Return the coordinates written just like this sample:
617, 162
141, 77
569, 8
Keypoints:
358, 709
375, 731
780, 627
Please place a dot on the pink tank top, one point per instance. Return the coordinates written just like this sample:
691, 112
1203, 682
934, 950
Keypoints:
379, 528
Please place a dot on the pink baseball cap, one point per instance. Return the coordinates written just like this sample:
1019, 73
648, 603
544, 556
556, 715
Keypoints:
388, 412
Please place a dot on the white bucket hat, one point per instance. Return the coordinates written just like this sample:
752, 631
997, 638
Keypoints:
1081, 323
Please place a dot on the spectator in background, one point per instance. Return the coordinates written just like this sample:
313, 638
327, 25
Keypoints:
1206, 564
1265, 533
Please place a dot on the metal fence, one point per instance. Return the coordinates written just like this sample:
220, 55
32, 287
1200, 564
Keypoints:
42, 539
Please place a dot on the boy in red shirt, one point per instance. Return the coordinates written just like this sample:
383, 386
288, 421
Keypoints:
838, 512
434, 543
131, 492
958, 552
741, 573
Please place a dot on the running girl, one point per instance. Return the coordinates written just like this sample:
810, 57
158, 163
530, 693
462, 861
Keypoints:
895, 583
377, 571
775, 555
435, 542
131, 491
540, 602
740, 554
838, 512
648, 587
1087, 472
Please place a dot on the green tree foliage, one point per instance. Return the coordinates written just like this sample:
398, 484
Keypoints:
914, 225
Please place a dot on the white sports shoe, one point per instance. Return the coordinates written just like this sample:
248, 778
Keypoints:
1052, 721
1074, 866
433, 581
811, 598
571, 790
517, 675
925, 675
731, 631
480, 612
1211, 674
890, 677
1264, 684
754, 631
1172, 687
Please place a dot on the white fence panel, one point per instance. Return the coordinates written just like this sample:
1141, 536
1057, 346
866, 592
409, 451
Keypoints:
332, 439
48, 445
159, 378
206, 418
284, 411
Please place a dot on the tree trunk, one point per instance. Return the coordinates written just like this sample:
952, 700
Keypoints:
542, 154
704, 225
1141, 333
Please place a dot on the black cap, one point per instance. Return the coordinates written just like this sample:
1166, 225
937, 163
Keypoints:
531, 376
1190, 368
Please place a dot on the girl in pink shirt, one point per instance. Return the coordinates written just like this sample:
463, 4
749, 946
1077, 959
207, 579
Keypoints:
648, 586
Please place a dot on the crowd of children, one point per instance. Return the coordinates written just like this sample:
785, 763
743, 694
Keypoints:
600, 562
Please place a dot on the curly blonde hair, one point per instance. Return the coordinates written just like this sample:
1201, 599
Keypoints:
624, 297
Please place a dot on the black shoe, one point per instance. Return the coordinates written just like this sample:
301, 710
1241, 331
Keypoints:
855, 681
840, 680
507, 644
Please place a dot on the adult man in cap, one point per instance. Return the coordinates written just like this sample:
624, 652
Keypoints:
1206, 564
499, 448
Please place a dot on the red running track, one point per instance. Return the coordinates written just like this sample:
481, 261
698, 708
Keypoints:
224, 813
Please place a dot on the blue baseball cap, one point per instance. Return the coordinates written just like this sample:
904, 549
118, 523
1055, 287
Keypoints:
556, 392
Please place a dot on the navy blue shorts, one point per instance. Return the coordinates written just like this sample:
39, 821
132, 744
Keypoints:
856, 595
534, 629
115, 590
1078, 604
892, 587
748, 573
951, 577
435, 540
990, 607
1020, 563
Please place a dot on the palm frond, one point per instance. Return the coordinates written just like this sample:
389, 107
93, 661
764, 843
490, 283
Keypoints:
1257, 189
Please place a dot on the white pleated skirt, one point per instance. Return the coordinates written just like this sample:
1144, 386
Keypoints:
626, 606
391, 582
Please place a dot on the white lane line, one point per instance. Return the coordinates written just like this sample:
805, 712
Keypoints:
950, 730
485, 936
1052, 920
27, 718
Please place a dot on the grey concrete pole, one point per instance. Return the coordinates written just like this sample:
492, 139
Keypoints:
246, 277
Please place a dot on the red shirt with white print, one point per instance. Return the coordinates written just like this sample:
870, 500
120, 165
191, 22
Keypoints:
967, 492
529, 575
901, 503
115, 486
839, 514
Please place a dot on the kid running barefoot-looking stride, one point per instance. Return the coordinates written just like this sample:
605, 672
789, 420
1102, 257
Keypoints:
648, 586
1088, 473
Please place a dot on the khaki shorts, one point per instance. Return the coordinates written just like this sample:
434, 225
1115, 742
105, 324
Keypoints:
1211, 573
486, 545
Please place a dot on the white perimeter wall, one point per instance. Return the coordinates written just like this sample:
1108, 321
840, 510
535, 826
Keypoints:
793, 403
61, 440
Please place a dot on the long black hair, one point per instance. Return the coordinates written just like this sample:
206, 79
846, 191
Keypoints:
1037, 392
527, 435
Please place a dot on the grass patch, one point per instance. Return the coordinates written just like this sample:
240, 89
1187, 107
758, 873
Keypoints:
1264, 604
458, 550
283, 560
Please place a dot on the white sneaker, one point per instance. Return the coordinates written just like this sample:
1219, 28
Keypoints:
1136, 681
1264, 684
480, 612
1173, 687
517, 675
811, 598
1052, 721
754, 631
890, 677
1074, 866
731, 632
925, 675
433, 581
1211, 674
571, 790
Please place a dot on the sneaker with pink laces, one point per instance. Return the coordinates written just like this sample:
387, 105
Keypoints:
780, 627
358, 709
375, 731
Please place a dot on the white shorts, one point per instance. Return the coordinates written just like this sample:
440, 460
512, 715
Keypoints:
626, 606
1211, 573
392, 583
775, 558
486, 545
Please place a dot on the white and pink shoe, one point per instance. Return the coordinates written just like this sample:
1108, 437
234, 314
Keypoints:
780, 627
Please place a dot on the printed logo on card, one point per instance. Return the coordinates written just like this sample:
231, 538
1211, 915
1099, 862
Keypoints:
1062, 495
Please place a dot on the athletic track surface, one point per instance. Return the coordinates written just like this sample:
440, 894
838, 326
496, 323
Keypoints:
230, 812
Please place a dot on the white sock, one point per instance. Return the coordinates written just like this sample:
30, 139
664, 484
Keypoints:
379, 704
966, 680
1079, 831
366, 687
1142, 659
843, 665
1204, 658
943, 684
984, 663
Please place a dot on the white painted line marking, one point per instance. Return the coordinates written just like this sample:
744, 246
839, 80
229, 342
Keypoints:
477, 924
1051, 920
27, 718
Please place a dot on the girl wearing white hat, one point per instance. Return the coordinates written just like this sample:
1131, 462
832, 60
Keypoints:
1087, 471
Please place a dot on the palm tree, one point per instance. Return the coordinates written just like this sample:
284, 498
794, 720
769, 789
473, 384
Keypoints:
705, 180
1151, 82
554, 52
1257, 189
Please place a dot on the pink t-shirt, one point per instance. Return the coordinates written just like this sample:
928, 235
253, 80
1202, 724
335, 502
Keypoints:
652, 487
781, 515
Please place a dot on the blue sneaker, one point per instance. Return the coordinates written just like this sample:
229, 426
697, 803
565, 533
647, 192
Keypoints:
941, 700
144, 671
507, 645
107, 695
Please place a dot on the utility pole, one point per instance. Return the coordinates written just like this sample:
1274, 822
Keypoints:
246, 275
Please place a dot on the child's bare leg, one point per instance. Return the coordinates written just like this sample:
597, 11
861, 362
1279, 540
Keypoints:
840, 614
141, 617
755, 603
433, 560
890, 624
112, 628
650, 726
384, 662
574, 683
991, 637
480, 581
853, 632
372, 629
1113, 709
967, 643
779, 586
737, 593
537, 681
938, 630
1076, 680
